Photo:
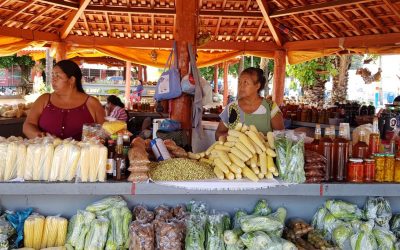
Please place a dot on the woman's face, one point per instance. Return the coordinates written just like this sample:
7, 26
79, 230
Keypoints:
60, 81
247, 86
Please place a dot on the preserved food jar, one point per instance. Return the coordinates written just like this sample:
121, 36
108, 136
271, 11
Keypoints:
369, 170
379, 167
389, 168
355, 170
374, 138
360, 149
397, 170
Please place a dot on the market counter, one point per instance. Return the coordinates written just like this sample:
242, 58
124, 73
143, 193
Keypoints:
11, 126
301, 200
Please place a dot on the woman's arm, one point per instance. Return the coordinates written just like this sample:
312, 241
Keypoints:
96, 110
221, 130
277, 122
31, 124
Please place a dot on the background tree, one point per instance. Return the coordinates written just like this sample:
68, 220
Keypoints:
340, 81
312, 76
24, 62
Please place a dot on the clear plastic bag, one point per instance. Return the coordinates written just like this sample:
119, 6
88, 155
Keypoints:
142, 236
106, 203
170, 235
141, 214
79, 226
97, 234
379, 210
215, 229
17, 220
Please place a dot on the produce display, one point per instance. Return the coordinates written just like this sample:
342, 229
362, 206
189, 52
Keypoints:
314, 167
51, 159
244, 152
11, 111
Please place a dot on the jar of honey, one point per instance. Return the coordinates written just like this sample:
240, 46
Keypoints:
369, 170
389, 168
380, 167
397, 170
355, 170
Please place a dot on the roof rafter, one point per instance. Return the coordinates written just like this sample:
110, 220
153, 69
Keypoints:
108, 25
31, 35
54, 20
371, 16
316, 7
239, 27
328, 24
130, 23
218, 26
3, 3
262, 4
259, 30
393, 8
73, 18
16, 13
306, 26
348, 21
34, 17
246, 8
86, 24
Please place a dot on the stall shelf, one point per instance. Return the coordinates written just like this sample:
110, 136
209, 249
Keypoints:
101, 89
300, 200
11, 126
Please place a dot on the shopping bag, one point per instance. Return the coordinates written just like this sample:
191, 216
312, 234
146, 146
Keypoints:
169, 84
188, 83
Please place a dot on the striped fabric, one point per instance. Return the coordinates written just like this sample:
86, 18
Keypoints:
119, 114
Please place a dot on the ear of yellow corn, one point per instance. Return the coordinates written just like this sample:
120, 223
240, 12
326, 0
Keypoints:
101, 175
52, 236
94, 161
11, 160
33, 231
73, 160
61, 231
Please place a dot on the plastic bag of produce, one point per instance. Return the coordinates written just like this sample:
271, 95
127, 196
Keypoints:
3, 242
238, 215
215, 228
260, 223
343, 210
54, 232
79, 226
363, 240
33, 231
126, 221
97, 234
280, 244
290, 156
3, 158
163, 212
6, 228
141, 214
170, 235
384, 238
262, 208
341, 236
256, 240
318, 218
17, 220
115, 239
331, 222
142, 236
379, 210
195, 229
395, 225
106, 203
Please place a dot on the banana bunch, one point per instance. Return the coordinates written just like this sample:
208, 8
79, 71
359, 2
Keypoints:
244, 152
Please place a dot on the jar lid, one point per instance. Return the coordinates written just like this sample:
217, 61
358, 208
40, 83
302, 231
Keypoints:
356, 160
369, 160
390, 155
379, 155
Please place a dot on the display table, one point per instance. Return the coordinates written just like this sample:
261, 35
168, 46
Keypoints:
11, 126
301, 200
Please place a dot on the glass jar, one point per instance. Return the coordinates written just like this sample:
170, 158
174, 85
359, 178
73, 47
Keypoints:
380, 167
369, 170
389, 168
397, 170
355, 170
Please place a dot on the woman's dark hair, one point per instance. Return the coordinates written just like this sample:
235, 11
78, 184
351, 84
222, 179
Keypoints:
115, 100
72, 69
259, 73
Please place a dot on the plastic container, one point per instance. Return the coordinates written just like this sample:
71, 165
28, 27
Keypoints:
380, 167
355, 170
369, 170
159, 149
389, 168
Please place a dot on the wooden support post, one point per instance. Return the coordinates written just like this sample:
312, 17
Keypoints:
145, 73
185, 32
61, 51
127, 84
216, 68
140, 72
279, 76
226, 91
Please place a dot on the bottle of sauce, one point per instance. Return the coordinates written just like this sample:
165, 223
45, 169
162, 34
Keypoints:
110, 167
341, 148
374, 138
332, 132
126, 146
326, 149
120, 165
360, 149
314, 146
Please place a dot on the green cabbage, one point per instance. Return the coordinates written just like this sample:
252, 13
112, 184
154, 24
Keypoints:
256, 240
318, 218
106, 203
331, 222
385, 238
341, 236
236, 219
363, 240
343, 210
260, 223
379, 210
78, 228
115, 237
215, 228
97, 235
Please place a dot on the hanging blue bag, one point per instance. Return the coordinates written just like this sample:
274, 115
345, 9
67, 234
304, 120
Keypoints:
169, 84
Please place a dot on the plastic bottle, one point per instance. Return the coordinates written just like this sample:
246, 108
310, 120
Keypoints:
110, 167
360, 149
120, 164
374, 138
314, 146
326, 149
341, 155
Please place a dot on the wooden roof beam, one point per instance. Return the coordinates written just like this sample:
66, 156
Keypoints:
61, 3
238, 14
371, 17
259, 30
27, 34
393, 8
116, 9
348, 21
4, 2
316, 7
54, 20
262, 4
108, 25
17, 12
328, 24
365, 41
34, 17
239, 27
73, 18
306, 26
218, 26
86, 24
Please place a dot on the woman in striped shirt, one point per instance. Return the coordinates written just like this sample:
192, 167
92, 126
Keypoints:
115, 108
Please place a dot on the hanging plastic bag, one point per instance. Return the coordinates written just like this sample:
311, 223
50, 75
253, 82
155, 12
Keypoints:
17, 220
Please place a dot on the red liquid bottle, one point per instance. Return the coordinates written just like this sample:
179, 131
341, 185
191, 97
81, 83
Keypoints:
341, 156
360, 149
326, 149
